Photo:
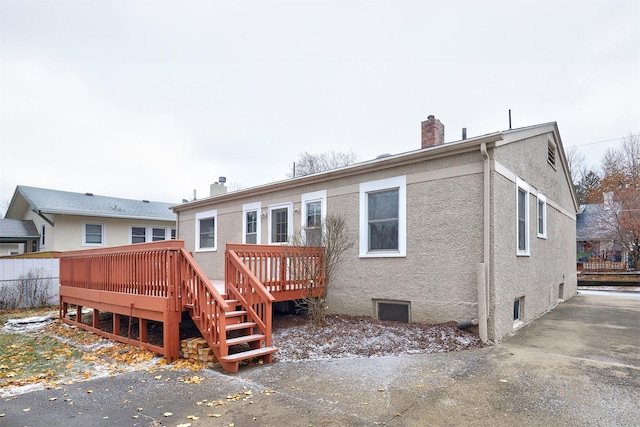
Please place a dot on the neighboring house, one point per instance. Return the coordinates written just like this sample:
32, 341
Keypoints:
483, 228
17, 236
596, 236
54, 220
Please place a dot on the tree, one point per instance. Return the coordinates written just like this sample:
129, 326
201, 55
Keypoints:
621, 168
308, 163
588, 188
575, 161
336, 240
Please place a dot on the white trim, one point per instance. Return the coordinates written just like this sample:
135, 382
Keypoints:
289, 207
399, 182
541, 199
522, 185
84, 234
316, 196
251, 207
206, 215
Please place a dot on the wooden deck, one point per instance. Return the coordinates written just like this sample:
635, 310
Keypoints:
157, 282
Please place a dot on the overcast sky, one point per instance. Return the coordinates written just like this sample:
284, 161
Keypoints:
151, 100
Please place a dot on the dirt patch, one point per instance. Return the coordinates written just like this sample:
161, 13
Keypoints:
358, 336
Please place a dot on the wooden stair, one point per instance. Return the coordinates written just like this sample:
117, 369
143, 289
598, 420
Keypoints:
239, 331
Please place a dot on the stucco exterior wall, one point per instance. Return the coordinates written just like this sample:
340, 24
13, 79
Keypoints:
550, 264
444, 239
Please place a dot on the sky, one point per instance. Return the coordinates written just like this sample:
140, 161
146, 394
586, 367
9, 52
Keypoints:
158, 99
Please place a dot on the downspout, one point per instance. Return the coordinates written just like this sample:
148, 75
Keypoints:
483, 268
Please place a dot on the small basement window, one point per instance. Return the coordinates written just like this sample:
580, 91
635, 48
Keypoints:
518, 310
397, 311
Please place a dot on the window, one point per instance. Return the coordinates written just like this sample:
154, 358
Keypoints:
542, 216
251, 223
206, 231
518, 308
42, 235
93, 235
173, 234
138, 234
397, 311
158, 234
383, 218
314, 207
551, 154
280, 223
523, 217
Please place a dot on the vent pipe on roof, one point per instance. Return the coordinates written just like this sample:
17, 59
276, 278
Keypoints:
88, 194
464, 133
509, 118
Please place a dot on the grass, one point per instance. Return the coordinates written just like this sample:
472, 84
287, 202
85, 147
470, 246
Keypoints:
60, 354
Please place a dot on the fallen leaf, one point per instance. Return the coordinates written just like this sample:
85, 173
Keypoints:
139, 409
184, 425
26, 409
214, 415
52, 399
192, 417
89, 391
167, 414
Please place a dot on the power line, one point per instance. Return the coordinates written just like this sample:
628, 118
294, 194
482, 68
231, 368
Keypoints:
598, 142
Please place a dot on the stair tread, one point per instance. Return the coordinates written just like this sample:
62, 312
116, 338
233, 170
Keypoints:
244, 339
234, 326
235, 313
249, 354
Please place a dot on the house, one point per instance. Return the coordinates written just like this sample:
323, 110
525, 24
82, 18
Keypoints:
40, 219
16, 235
596, 237
478, 230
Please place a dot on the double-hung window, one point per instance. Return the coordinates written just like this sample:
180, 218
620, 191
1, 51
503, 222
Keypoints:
251, 223
206, 230
93, 234
542, 216
522, 205
383, 225
280, 223
314, 207
138, 234
158, 234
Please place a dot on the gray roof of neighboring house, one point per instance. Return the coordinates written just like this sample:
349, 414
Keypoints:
64, 202
592, 223
18, 229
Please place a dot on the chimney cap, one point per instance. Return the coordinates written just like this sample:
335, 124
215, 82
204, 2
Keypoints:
222, 179
431, 117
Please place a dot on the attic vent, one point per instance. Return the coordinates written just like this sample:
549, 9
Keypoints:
551, 154
88, 194
145, 201
392, 310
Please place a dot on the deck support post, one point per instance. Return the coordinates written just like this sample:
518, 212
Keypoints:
95, 321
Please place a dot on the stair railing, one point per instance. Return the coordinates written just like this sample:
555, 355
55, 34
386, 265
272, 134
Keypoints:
241, 284
207, 306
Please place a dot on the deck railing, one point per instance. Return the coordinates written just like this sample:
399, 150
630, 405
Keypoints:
287, 272
150, 281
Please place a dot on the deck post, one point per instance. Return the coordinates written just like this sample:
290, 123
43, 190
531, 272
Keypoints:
116, 323
142, 329
95, 321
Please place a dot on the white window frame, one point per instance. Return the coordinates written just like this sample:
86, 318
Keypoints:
522, 185
84, 234
316, 196
400, 183
251, 207
207, 215
519, 320
542, 201
146, 233
289, 207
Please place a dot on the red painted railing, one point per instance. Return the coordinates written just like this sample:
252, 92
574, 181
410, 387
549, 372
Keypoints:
286, 272
158, 281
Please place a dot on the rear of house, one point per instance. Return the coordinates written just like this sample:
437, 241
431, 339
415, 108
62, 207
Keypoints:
481, 229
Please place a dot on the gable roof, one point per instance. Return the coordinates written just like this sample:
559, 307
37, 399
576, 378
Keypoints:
592, 225
45, 201
17, 230
414, 156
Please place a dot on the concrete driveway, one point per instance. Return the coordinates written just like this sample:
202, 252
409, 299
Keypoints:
578, 365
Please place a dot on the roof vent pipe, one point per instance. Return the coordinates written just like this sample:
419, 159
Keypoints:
464, 133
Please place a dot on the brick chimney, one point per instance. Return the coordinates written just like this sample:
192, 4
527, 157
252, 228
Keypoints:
432, 132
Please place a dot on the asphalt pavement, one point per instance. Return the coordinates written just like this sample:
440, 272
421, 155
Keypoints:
577, 365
